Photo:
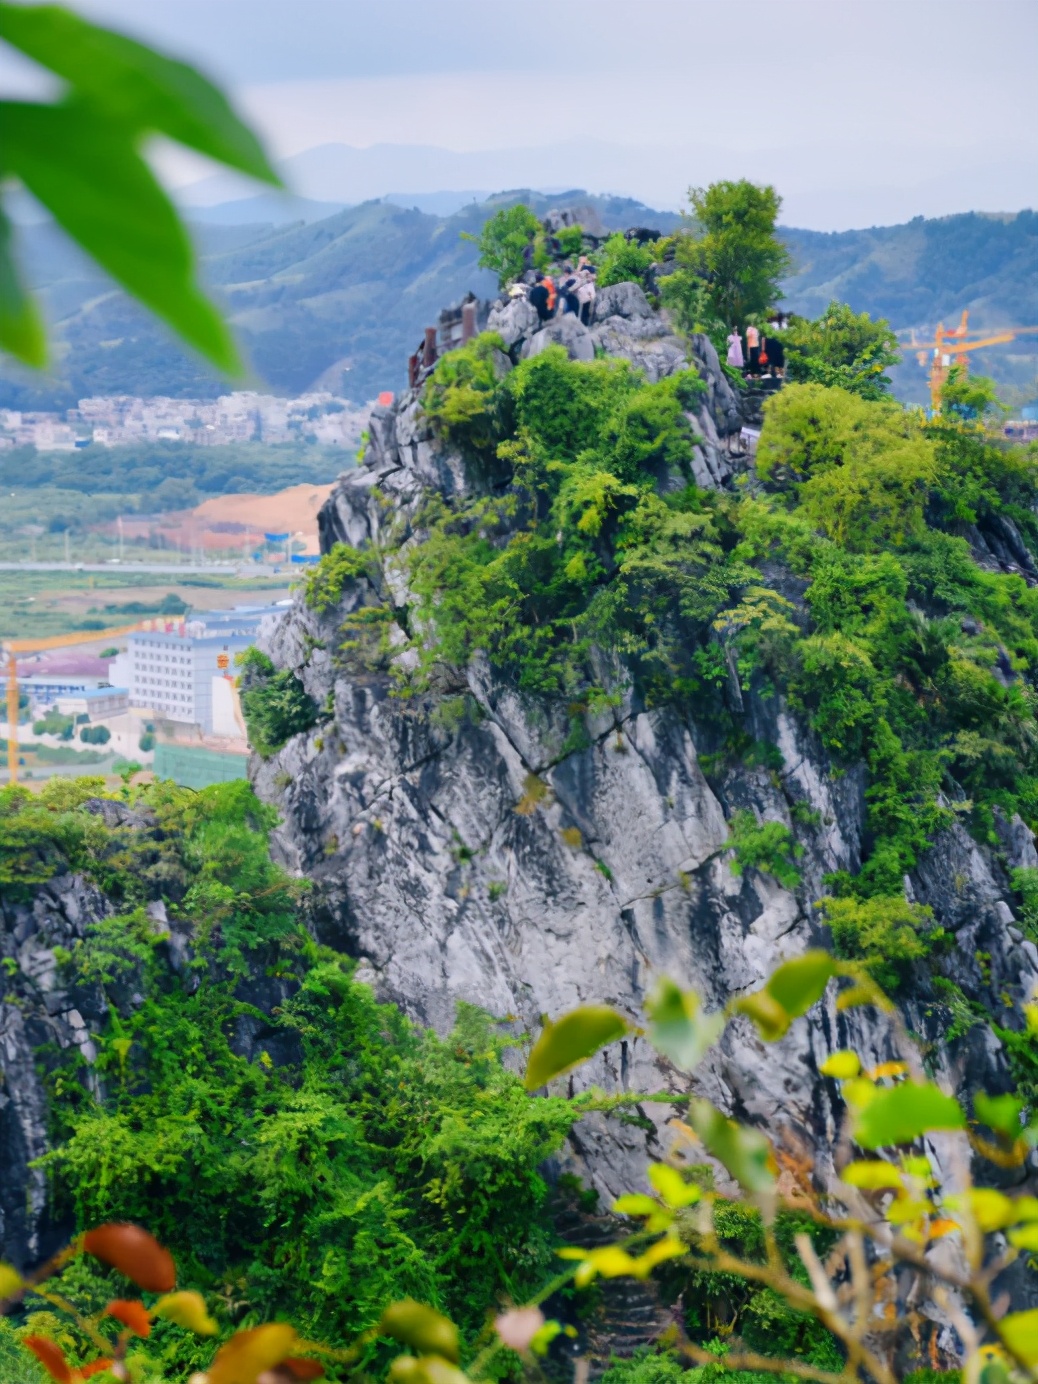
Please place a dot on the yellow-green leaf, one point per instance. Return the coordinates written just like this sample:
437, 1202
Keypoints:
679, 1028
841, 1065
670, 1247
248, 1354
990, 1209
672, 1187
744, 1152
1020, 1331
186, 1309
421, 1328
771, 1019
903, 1113
11, 1279
570, 1041
871, 1176
1025, 1237
635, 1204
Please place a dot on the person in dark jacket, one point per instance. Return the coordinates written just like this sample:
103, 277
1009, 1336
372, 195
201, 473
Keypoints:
540, 297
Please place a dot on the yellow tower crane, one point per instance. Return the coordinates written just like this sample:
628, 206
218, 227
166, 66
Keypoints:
13, 647
952, 347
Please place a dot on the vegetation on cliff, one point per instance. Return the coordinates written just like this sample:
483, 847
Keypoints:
303, 1151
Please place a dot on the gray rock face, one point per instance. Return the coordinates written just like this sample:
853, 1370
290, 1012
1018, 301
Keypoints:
37, 1010
465, 847
567, 331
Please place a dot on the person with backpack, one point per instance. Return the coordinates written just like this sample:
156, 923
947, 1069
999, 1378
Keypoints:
540, 297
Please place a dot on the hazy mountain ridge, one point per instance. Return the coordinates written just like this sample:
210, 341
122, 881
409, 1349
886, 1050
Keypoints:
353, 290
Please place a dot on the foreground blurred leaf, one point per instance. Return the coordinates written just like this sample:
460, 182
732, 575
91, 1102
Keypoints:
134, 1253
85, 171
138, 87
418, 1326
50, 1357
132, 1314
745, 1153
790, 992
842, 1066
246, 1355
10, 1281
21, 327
186, 1309
871, 1177
1020, 1331
672, 1187
577, 1036
904, 1113
679, 1027
1000, 1113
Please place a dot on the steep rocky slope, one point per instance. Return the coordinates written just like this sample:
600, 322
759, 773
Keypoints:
464, 848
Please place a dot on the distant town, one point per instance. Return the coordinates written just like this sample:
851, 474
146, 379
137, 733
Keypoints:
244, 416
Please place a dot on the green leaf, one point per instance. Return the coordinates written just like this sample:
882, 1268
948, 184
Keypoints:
135, 86
679, 1028
1020, 1332
744, 1152
1000, 1113
790, 992
21, 328
420, 1327
84, 170
800, 983
577, 1036
903, 1113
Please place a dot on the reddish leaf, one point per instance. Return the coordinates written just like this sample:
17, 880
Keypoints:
303, 1369
50, 1357
95, 1367
132, 1314
134, 1253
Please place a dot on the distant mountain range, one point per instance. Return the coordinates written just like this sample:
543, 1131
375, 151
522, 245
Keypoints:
339, 300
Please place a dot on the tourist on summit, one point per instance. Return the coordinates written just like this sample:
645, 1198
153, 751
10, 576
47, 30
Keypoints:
540, 297
735, 349
753, 351
776, 349
568, 292
586, 290
549, 284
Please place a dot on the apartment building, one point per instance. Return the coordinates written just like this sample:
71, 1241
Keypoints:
172, 674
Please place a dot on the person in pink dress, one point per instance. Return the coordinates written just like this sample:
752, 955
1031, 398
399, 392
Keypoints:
735, 349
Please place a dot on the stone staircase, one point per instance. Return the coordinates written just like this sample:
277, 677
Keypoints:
630, 1315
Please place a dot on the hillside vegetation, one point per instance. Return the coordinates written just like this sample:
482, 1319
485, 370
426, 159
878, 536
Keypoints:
356, 289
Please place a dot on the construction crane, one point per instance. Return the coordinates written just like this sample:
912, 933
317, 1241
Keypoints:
13, 647
952, 347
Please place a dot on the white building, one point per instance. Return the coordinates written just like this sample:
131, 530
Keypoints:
172, 674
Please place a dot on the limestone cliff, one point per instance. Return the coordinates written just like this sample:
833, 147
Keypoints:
477, 856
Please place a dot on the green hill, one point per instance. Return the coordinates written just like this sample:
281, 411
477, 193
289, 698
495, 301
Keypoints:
343, 300
924, 272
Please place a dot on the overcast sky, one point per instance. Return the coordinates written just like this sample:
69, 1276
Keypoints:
860, 110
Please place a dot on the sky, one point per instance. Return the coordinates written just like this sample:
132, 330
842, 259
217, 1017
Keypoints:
860, 111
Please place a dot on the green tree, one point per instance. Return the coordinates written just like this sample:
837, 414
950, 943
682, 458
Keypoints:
968, 397
843, 348
503, 241
736, 250
80, 156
